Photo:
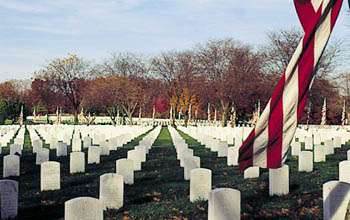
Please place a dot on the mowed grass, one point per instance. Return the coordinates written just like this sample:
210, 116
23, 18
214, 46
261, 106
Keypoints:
159, 191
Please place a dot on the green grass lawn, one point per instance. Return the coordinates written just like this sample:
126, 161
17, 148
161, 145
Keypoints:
159, 191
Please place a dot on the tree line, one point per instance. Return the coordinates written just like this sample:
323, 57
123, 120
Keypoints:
225, 73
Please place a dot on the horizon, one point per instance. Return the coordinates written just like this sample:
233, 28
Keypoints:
37, 31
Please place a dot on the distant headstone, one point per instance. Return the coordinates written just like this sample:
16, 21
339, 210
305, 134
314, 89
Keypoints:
319, 153
42, 156
337, 142
15, 149
296, 148
11, 165
37, 144
136, 156
125, 167
224, 204
94, 155
76, 144
190, 163
317, 139
61, 149
112, 191
104, 150
306, 161
222, 149
87, 142
329, 147
200, 184
8, 199
77, 162
279, 181
86, 208
50, 176
251, 172
232, 156
308, 143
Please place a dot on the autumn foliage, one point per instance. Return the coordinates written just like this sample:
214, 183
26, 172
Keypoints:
224, 73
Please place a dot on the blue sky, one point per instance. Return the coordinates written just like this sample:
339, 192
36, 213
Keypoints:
35, 31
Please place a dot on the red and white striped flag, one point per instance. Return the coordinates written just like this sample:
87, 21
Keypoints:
268, 143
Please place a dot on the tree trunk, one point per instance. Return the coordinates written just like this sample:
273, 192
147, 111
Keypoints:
130, 119
224, 115
76, 119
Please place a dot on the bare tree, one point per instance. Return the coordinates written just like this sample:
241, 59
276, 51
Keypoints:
281, 46
124, 64
234, 74
176, 70
67, 76
277, 54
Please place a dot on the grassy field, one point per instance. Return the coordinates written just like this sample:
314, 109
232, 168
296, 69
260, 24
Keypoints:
159, 191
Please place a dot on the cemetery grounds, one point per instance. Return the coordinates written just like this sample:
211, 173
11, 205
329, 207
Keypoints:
160, 192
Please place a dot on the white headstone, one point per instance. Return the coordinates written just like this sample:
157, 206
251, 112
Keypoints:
86, 208
279, 181
112, 191
11, 165
308, 143
200, 184
224, 204
61, 149
76, 144
319, 153
77, 162
37, 144
317, 139
222, 149
306, 161
104, 150
42, 155
143, 153
336, 197
15, 149
190, 163
8, 199
232, 156
337, 142
53, 141
125, 167
136, 156
50, 176
251, 172
87, 142
344, 171
94, 155
329, 147
296, 148
184, 153
348, 154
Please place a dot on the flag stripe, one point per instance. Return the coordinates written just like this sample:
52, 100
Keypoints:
261, 139
268, 143
275, 126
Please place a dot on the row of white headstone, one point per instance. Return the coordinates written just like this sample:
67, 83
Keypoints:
187, 160
223, 203
50, 170
221, 147
213, 144
111, 184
